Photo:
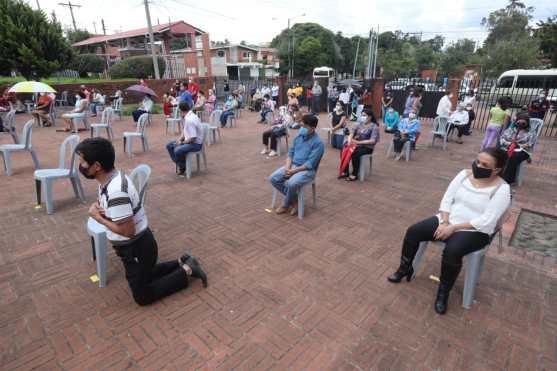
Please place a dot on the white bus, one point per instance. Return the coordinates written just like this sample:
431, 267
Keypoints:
524, 85
323, 73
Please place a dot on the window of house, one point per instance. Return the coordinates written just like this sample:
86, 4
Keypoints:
193, 70
246, 55
181, 43
198, 42
200, 54
220, 53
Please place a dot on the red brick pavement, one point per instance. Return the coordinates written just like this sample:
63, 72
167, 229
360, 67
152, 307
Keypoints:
284, 294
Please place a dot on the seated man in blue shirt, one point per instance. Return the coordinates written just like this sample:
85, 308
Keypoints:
185, 95
301, 165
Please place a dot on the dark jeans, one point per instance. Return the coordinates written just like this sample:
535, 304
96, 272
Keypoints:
509, 174
356, 155
148, 280
269, 135
224, 117
137, 113
178, 152
399, 143
264, 113
316, 104
337, 141
457, 246
461, 129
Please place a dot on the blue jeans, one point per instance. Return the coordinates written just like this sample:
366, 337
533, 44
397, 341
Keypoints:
290, 187
224, 117
337, 141
264, 113
178, 152
93, 107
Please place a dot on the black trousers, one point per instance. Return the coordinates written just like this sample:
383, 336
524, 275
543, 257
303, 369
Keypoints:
148, 280
137, 113
457, 246
269, 135
356, 156
399, 143
509, 174
461, 129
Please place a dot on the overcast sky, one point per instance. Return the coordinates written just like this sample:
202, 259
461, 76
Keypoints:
259, 21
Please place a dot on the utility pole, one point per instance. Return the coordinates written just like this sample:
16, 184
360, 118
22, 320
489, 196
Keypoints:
289, 53
152, 41
375, 53
53, 14
71, 6
369, 55
356, 57
104, 28
38, 5
95, 27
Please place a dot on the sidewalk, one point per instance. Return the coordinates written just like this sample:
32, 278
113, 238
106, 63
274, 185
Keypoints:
283, 293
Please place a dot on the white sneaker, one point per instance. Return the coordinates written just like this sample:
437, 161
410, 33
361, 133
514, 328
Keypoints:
264, 152
273, 154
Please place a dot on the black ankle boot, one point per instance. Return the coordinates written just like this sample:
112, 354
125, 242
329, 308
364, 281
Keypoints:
196, 269
404, 270
441, 300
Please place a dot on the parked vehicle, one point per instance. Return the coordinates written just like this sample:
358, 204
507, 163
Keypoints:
522, 86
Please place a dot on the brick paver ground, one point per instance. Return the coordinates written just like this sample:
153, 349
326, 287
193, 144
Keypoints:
283, 293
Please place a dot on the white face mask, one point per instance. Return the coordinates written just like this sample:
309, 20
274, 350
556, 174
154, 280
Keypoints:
412, 116
338, 108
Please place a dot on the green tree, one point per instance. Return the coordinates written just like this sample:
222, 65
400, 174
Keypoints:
84, 63
75, 36
139, 67
546, 33
507, 23
308, 55
29, 43
456, 56
506, 55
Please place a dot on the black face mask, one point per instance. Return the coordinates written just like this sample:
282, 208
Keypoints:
83, 171
480, 172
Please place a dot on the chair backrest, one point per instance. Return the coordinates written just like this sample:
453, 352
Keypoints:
9, 121
68, 145
536, 126
175, 113
117, 104
440, 124
214, 119
27, 134
206, 131
65, 95
140, 178
106, 117
141, 123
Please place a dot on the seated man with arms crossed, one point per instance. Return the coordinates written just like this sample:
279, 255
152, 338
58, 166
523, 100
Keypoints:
119, 209
190, 141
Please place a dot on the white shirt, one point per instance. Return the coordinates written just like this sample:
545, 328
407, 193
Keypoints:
459, 116
147, 104
344, 97
266, 91
444, 106
469, 100
275, 91
480, 207
193, 128
118, 204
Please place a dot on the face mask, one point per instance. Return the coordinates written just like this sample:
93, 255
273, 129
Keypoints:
480, 172
77, 97
338, 108
391, 110
412, 116
84, 172
468, 108
362, 119
303, 132
521, 125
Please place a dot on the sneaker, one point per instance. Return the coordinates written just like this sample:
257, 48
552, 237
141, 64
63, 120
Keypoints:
273, 154
264, 152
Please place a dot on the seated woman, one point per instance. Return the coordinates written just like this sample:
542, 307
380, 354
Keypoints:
339, 120
78, 112
517, 141
256, 100
199, 105
168, 102
292, 100
267, 106
277, 130
364, 137
210, 102
390, 120
145, 107
42, 110
470, 211
296, 117
407, 130
458, 119
229, 106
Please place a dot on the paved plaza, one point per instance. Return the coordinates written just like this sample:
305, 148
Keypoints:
283, 294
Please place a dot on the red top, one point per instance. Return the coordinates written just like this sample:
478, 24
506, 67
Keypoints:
309, 93
44, 100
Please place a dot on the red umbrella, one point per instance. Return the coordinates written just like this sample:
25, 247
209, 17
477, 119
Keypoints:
141, 90
345, 157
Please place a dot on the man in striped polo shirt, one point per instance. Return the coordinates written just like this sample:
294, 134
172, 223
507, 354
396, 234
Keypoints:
120, 210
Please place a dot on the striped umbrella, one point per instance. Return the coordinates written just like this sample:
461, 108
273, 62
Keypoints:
31, 87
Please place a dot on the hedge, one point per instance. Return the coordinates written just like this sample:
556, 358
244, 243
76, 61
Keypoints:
140, 67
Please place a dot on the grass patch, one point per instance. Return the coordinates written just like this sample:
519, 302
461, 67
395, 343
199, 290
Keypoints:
127, 109
60, 80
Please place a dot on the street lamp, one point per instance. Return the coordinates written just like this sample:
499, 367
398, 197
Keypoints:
291, 42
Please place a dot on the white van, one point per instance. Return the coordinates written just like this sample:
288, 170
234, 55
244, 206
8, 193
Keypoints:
525, 85
323, 72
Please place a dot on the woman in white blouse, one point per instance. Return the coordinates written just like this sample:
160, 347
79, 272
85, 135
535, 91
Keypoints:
469, 212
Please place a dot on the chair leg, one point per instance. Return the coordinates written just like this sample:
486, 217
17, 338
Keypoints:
408, 150
301, 202
362, 169
91, 132
419, 255
198, 162
188, 165
145, 142
470, 278
314, 194
35, 158
38, 191
205, 160
100, 247
7, 156
274, 201
47, 191
78, 188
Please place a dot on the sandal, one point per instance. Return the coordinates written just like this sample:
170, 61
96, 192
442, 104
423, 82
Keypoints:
351, 178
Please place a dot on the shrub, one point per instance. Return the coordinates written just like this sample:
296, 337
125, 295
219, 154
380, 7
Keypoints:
136, 67
84, 63
127, 109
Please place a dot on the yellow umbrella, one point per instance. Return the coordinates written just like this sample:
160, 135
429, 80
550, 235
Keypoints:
31, 87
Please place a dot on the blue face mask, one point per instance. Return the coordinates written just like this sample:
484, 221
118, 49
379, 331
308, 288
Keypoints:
362, 119
303, 131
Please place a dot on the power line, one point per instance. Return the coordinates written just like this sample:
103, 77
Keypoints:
71, 6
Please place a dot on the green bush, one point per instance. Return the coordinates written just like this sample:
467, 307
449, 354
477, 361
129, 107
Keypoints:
84, 63
136, 67
127, 109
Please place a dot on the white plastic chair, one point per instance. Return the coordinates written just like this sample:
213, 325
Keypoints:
364, 161
63, 101
406, 148
301, 198
440, 130
99, 242
536, 126
138, 133
279, 143
106, 123
7, 149
117, 107
175, 122
9, 125
214, 127
198, 154
45, 177
474, 263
